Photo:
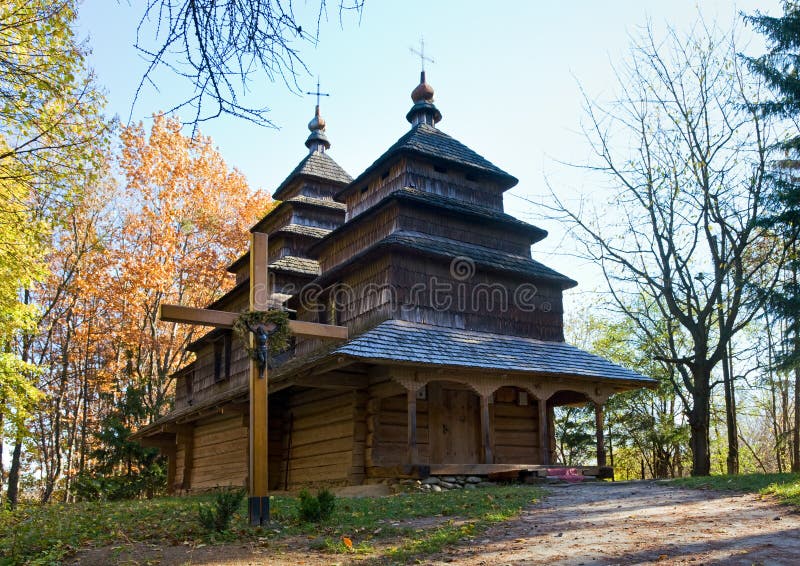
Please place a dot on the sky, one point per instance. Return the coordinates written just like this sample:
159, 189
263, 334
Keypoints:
507, 77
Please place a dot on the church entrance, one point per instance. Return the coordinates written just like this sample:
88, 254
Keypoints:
454, 417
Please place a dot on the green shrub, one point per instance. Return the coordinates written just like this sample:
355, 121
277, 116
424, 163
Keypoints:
327, 504
217, 517
94, 486
316, 509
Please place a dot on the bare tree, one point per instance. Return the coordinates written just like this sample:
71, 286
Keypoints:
220, 46
684, 153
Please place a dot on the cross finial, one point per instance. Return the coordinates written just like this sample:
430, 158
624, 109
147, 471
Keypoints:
318, 93
421, 53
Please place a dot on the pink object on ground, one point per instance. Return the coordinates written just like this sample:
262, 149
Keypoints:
572, 475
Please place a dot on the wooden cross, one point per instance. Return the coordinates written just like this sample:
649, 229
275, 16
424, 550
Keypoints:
258, 504
421, 53
318, 93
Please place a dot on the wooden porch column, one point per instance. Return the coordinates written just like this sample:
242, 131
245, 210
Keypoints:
172, 468
486, 430
544, 433
187, 439
413, 451
598, 423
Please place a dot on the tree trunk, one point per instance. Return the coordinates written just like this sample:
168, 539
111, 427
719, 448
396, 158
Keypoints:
699, 418
796, 431
776, 433
12, 495
730, 415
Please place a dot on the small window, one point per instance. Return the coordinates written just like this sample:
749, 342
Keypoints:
222, 358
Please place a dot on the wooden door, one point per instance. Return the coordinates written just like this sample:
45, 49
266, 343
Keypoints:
454, 424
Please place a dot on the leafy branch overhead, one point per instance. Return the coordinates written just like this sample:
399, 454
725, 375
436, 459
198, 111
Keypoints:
220, 47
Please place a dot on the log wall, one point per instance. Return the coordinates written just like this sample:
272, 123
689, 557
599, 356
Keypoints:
447, 181
321, 447
219, 454
515, 427
487, 301
205, 387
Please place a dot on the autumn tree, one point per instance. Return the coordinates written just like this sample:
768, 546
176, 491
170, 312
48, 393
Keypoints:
684, 153
51, 138
50, 107
186, 218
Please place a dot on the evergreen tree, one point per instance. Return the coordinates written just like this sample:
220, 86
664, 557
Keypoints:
779, 68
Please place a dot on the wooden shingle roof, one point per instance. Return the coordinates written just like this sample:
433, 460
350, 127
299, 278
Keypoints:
414, 343
487, 258
316, 165
431, 142
296, 265
303, 230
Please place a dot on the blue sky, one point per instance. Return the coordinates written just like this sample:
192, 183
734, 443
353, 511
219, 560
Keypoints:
506, 76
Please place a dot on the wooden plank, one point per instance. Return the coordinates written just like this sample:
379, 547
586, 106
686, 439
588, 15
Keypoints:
316, 330
192, 315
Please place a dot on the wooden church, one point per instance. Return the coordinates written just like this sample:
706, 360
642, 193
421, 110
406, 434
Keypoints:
456, 354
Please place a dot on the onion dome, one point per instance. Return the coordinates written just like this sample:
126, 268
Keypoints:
317, 140
423, 111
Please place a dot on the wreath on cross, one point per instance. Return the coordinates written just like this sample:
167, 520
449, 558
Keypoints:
278, 338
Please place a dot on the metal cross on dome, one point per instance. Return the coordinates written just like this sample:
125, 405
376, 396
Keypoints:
318, 93
421, 53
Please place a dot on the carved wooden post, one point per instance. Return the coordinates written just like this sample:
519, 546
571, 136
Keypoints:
413, 450
486, 430
544, 434
601, 445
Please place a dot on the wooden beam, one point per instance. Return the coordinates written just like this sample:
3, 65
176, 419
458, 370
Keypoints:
316, 330
544, 435
258, 503
188, 459
192, 315
158, 442
486, 431
601, 444
172, 468
413, 450
333, 380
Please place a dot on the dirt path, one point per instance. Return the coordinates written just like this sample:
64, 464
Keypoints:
589, 524
640, 523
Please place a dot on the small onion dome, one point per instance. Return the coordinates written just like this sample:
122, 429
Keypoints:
317, 140
423, 111
423, 91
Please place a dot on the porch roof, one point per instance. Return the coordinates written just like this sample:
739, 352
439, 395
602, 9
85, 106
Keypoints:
414, 343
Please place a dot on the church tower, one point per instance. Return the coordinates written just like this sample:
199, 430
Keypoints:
427, 241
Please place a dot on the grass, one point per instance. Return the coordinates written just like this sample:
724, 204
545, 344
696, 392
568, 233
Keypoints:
786, 487
386, 528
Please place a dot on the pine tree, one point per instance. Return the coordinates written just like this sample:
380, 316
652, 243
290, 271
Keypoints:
779, 68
